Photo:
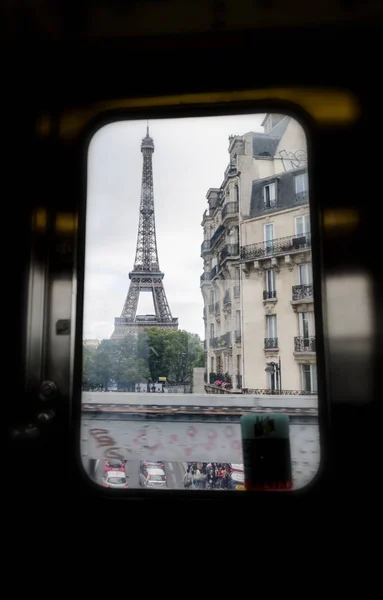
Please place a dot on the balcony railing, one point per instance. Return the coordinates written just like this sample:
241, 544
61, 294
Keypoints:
215, 237
225, 340
285, 245
271, 343
231, 208
269, 392
205, 246
302, 292
238, 336
228, 251
304, 344
237, 291
269, 294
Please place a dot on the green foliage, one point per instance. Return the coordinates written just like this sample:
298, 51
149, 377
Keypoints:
151, 354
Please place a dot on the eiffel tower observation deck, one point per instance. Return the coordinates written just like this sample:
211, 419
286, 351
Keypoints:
146, 275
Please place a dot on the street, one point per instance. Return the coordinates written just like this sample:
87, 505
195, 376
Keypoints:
175, 472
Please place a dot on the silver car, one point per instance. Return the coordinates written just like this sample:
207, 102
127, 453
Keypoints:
115, 479
153, 477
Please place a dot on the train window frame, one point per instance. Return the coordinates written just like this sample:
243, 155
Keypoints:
256, 106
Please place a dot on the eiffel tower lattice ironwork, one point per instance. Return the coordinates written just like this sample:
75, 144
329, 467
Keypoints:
146, 275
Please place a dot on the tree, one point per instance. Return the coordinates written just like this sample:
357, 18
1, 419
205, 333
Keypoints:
129, 369
153, 353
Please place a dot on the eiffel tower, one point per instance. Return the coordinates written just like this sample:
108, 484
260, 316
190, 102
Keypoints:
146, 275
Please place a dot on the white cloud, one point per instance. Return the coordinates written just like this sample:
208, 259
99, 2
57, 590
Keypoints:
190, 157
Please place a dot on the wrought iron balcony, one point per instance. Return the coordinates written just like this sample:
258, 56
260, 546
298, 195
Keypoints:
213, 342
302, 292
221, 342
271, 344
269, 294
278, 246
227, 298
231, 208
224, 340
205, 246
238, 336
229, 250
237, 291
304, 344
215, 237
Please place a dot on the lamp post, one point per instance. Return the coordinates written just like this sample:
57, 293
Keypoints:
275, 369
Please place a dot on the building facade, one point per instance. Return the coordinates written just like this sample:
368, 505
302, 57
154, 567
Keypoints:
257, 280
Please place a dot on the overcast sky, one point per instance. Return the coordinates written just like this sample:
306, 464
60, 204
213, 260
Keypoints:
190, 157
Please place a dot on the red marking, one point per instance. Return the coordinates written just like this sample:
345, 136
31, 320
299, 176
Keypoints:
141, 434
187, 451
102, 437
209, 446
236, 445
114, 453
173, 438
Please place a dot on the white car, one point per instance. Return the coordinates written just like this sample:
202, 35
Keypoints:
115, 479
153, 477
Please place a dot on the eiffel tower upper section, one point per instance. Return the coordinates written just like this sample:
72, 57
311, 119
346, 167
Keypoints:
146, 275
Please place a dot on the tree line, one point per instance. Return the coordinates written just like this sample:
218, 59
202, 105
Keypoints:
145, 357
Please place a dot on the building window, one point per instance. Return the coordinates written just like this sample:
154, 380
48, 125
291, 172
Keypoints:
271, 381
270, 282
301, 183
305, 274
238, 323
269, 195
271, 327
309, 378
212, 364
268, 234
302, 225
211, 330
306, 325
236, 189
